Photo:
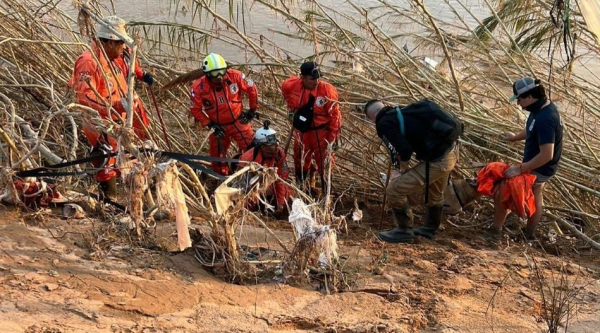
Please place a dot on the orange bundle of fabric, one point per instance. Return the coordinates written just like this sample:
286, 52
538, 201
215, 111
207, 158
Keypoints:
517, 192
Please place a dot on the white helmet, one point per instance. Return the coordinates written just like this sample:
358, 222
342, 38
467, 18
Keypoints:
265, 135
116, 23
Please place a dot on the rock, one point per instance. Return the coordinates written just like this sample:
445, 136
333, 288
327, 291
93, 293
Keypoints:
382, 328
164, 214
426, 266
385, 316
50, 286
73, 211
66, 284
52, 273
378, 270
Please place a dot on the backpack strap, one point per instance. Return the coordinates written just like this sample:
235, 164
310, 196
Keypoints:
427, 182
400, 120
255, 153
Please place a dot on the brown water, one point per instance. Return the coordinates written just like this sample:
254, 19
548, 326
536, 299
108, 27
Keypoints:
256, 19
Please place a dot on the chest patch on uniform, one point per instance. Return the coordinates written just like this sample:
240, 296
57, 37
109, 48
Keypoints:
250, 83
234, 88
221, 100
83, 75
192, 93
531, 126
206, 102
320, 101
201, 86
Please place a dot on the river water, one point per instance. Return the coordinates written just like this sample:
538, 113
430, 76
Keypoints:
256, 19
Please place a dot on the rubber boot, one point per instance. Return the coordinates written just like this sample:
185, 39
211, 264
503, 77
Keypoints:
433, 218
403, 217
108, 189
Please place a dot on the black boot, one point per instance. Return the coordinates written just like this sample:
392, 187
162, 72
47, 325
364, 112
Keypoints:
403, 217
108, 189
433, 217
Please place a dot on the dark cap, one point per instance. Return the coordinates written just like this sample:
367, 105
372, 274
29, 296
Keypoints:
310, 68
522, 86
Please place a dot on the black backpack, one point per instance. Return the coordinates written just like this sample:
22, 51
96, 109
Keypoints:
303, 117
446, 127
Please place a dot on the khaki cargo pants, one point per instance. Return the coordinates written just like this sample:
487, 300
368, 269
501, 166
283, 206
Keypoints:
414, 181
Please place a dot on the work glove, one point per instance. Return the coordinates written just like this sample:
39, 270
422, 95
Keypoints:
148, 78
218, 131
248, 115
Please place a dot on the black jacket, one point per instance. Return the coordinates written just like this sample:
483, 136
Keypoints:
414, 139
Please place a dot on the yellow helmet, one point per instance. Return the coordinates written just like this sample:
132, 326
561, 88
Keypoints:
213, 62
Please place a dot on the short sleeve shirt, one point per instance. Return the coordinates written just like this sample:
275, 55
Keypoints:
543, 127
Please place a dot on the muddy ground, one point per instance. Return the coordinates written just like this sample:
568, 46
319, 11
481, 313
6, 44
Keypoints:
61, 275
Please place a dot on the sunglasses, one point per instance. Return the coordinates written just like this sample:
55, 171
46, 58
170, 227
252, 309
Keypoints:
217, 72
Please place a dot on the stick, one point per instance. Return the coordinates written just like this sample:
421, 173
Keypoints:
574, 230
288, 140
162, 122
387, 181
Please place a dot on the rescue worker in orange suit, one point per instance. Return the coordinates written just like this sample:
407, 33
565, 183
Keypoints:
102, 85
216, 103
268, 153
316, 118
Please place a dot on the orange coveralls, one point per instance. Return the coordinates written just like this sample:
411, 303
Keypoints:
280, 191
517, 194
222, 105
327, 122
110, 91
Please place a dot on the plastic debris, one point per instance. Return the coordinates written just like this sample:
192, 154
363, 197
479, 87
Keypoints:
323, 236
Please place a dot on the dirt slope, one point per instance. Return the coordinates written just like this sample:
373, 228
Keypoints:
52, 281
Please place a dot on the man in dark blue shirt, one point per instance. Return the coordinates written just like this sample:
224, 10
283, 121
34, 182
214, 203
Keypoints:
543, 137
